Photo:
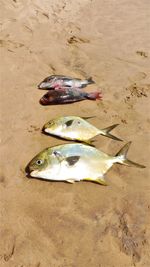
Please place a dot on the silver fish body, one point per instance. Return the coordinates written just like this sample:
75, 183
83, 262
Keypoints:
76, 162
76, 128
59, 81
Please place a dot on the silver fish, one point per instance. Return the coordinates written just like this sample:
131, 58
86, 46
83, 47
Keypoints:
76, 128
76, 162
58, 81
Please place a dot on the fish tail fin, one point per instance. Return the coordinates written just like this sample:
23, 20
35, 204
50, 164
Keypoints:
121, 157
90, 80
94, 95
106, 132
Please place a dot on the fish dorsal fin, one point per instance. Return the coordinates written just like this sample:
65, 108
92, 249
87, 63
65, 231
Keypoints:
90, 80
69, 123
86, 118
72, 160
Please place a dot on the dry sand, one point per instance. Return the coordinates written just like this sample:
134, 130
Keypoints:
45, 224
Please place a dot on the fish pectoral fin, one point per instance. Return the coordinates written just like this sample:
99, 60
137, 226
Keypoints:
70, 181
69, 123
72, 160
58, 155
99, 180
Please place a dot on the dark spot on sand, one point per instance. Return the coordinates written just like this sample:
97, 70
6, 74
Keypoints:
8, 256
142, 53
2, 179
123, 121
73, 40
46, 15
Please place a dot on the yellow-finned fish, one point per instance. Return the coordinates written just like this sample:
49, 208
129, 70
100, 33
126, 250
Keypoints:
76, 128
76, 162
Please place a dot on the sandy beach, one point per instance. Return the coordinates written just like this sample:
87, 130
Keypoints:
56, 224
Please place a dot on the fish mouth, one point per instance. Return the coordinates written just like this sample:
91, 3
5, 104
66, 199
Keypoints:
27, 171
44, 129
30, 173
34, 173
44, 100
44, 85
40, 86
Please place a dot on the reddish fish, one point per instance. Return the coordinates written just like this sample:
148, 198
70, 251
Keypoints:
68, 95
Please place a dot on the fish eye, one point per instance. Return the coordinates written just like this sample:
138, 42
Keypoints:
48, 79
78, 122
39, 162
51, 123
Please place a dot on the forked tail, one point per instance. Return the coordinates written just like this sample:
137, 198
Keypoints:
121, 157
94, 95
90, 80
106, 132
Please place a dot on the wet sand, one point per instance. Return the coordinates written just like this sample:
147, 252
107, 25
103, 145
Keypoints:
49, 224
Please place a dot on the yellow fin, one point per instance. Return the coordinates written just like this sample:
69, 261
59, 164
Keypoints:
70, 181
100, 180
88, 142
106, 132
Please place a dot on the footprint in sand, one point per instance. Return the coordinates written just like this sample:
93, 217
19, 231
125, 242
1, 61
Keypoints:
136, 91
137, 77
33, 128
